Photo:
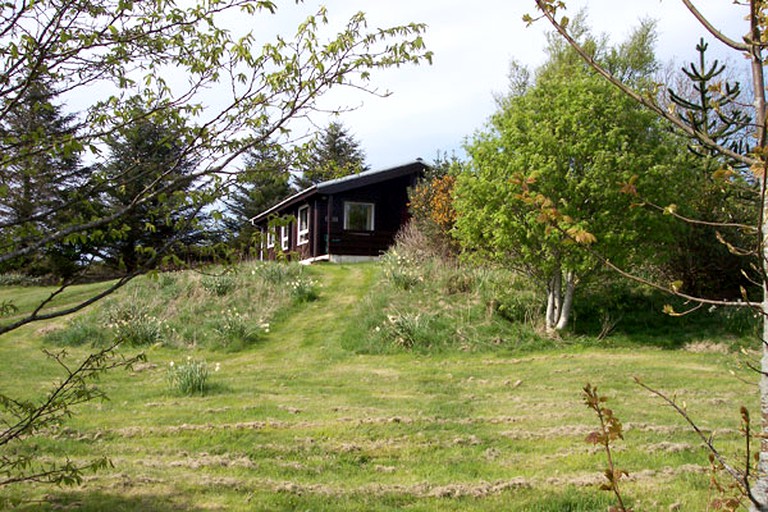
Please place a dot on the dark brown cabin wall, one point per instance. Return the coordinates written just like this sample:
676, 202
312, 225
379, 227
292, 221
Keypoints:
390, 212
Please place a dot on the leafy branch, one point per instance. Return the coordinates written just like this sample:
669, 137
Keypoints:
610, 431
21, 420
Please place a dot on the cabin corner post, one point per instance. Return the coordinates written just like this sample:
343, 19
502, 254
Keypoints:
329, 225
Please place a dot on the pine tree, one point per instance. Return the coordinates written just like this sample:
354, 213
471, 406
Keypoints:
264, 182
149, 156
333, 153
40, 174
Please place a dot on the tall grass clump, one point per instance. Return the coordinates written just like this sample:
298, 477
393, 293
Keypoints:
131, 323
189, 378
304, 289
78, 331
277, 273
219, 285
235, 330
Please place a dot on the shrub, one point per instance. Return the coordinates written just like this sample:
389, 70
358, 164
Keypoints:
189, 378
431, 204
14, 279
133, 325
304, 289
219, 285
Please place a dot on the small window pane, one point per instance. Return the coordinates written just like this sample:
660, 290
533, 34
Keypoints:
303, 225
358, 216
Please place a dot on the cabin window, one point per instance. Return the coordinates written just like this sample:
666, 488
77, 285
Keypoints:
270, 238
284, 237
302, 227
358, 216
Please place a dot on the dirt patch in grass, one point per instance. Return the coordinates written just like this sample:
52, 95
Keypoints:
422, 490
707, 347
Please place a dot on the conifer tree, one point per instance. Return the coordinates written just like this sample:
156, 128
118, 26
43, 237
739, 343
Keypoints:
38, 185
333, 153
264, 182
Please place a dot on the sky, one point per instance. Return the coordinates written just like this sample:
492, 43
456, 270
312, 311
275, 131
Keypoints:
435, 108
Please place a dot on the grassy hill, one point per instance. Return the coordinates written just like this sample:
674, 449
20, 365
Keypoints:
370, 387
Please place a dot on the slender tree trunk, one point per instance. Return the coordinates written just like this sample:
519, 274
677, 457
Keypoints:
559, 300
567, 303
550, 318
760, 490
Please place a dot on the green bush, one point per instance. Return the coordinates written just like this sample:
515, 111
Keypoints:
132, 324
219, 285
14, 279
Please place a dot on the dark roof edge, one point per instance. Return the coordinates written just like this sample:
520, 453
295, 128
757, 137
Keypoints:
285, 202
343, 183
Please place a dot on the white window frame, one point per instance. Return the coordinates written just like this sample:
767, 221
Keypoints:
270, 238
302, 226
371, 221
284, 230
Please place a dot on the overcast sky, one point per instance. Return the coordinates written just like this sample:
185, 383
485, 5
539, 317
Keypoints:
434, 108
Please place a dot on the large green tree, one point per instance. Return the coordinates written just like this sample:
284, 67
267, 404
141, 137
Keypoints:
332, 153
559, 148
749, 155
37, 187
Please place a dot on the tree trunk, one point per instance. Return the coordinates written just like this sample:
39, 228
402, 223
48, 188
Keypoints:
760, 490
559, 301
757, 31
567, 303
549, 322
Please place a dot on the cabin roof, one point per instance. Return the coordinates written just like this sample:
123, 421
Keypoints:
345, 183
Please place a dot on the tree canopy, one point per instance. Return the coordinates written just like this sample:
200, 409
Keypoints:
333, 153
559, 149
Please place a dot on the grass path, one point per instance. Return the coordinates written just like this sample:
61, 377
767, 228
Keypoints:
318, 324
295, 422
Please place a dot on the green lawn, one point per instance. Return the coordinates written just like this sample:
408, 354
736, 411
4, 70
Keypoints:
296, 422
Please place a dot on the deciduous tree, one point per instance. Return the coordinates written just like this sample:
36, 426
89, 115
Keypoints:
558, 149
750, 153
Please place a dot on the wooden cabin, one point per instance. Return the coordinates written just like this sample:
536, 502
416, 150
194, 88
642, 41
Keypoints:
354, 218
